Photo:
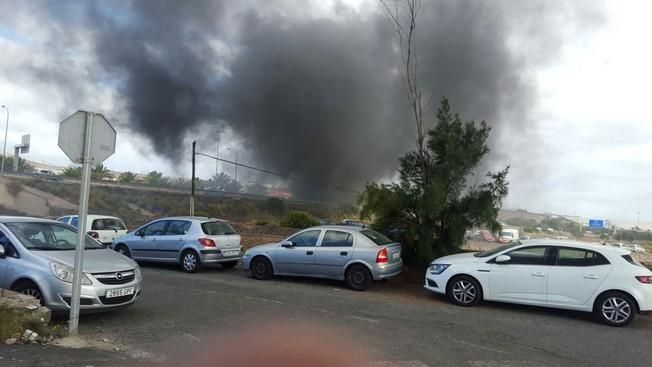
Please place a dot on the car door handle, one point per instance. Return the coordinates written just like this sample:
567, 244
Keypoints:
344, 253
309, 252
591, 276
539, 274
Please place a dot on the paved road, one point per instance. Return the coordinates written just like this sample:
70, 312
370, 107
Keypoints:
179, 312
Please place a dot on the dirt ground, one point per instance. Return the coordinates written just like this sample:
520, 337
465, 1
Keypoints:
254, 235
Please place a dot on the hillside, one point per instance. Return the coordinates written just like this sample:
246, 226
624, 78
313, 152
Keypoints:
138, 205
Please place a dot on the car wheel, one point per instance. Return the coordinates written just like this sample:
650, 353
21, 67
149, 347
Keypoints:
123, 250
190, 262
261, 268
464, 291
229, 265
358, 277
29, 288
615, 309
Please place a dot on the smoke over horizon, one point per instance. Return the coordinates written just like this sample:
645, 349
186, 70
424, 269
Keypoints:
319, 97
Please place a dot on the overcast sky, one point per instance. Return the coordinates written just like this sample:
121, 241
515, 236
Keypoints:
588, 152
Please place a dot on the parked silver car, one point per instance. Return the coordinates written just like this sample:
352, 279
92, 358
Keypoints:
353, 254
189, 241
37, 258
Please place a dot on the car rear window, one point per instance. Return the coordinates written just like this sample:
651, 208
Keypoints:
378, 238
633, 261
105, 224
217, 228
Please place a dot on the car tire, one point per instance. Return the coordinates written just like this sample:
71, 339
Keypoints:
464, 291
230, 264
122, 250
261, 268
615, 309
358, 277
29, 288
190, 262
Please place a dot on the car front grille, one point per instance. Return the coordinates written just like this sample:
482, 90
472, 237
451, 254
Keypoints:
117, 300
82, 301
117, 277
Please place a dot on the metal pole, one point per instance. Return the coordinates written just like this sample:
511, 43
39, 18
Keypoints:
236, 172
192, 185
81, 234
4, 149
217, 153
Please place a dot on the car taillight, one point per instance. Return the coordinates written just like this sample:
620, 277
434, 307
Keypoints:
93, 234
382, 257
647, 279
206, 242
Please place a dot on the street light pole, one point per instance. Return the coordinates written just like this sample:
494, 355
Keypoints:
192, 181
4, 149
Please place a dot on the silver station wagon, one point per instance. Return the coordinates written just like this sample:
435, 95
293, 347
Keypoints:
188, 241
354, 254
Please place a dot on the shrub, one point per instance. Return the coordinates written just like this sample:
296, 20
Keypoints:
14, 188
298, 219
275, 206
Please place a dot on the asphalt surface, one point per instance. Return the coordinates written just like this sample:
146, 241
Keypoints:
180, 313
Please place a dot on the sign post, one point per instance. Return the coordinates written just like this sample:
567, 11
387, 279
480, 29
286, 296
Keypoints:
86, 138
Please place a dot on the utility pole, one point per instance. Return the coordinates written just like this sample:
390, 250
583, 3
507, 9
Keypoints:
236, 171
217, 152
4, 149
192, 184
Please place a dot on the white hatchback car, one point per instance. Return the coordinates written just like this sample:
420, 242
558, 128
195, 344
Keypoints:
103, 228
569, 275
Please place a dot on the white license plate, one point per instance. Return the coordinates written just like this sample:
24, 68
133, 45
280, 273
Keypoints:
112, 293
231, 253
396, 255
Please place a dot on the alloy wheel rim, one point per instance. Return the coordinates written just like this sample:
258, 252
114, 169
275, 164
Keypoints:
32, 292
189, 262
616, 310
464, 292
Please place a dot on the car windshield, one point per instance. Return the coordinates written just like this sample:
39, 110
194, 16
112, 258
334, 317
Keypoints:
378, 238
43, 236
217, 228
495, 250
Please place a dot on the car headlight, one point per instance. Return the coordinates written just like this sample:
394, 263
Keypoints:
65, 273
139, 275
437, 268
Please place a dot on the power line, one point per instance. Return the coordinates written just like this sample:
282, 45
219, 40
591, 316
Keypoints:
289, 177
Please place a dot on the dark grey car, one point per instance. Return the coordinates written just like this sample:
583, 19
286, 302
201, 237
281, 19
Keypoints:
353, 254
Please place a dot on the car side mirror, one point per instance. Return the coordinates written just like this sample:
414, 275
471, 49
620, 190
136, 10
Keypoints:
503, 259
140, 233
287, 244
2, 252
